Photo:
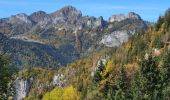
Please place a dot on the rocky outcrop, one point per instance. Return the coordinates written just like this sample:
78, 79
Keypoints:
132, 15
95, 68
116, 38
22, 88
67, 11
39, 16
121, 17
19, 18
58, 80
117, 18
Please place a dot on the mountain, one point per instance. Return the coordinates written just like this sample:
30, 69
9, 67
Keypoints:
29, 37
136, 70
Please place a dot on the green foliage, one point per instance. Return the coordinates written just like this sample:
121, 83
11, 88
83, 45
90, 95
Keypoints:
159, 23
97, 76
165, 73
110, 95
151, 78
158, 42
136, 88
121, 85
166, 67
167, 19
6, 77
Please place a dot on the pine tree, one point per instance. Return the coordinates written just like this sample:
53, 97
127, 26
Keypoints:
97, 76
151, 77
110, 95
135, 90
165, 75
121, 85
6, 76
166, 67
159, 23
167, 19
158, 42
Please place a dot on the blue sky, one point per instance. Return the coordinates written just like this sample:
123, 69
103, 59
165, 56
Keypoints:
147, 9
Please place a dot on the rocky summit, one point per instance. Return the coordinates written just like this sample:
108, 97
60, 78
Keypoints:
121, 17
49, 37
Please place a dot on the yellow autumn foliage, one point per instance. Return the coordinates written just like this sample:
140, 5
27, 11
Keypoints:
108, 68
67, 93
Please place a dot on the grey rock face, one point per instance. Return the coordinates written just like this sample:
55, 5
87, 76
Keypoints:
39, 16
58, 80
116, 38
121, 17
132, 15
19, 18
22, 88
95, 68
118, 18
68, 11
66, 14
99, 22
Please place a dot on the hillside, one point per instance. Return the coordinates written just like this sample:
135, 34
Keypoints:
137, 70
45, 40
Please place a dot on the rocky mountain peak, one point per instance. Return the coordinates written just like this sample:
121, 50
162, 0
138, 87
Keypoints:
38, 16
22, 17
117, 18
133, 15
67, 11
99, 21
121, 17
68, 8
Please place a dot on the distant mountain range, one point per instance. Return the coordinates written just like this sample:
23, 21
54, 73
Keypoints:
61, 37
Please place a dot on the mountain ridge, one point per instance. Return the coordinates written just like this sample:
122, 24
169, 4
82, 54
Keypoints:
68, 28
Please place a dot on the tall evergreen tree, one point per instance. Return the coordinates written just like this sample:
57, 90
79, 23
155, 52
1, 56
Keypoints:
97, 76
6, 76
165, 82
167, 19
121, 85
135, 89
159, 23
151, 77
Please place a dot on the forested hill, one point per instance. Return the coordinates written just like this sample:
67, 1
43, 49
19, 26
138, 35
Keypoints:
137, 70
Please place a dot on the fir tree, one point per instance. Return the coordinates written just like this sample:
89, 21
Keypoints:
6, 77
151, 77
97, 76
121, 85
